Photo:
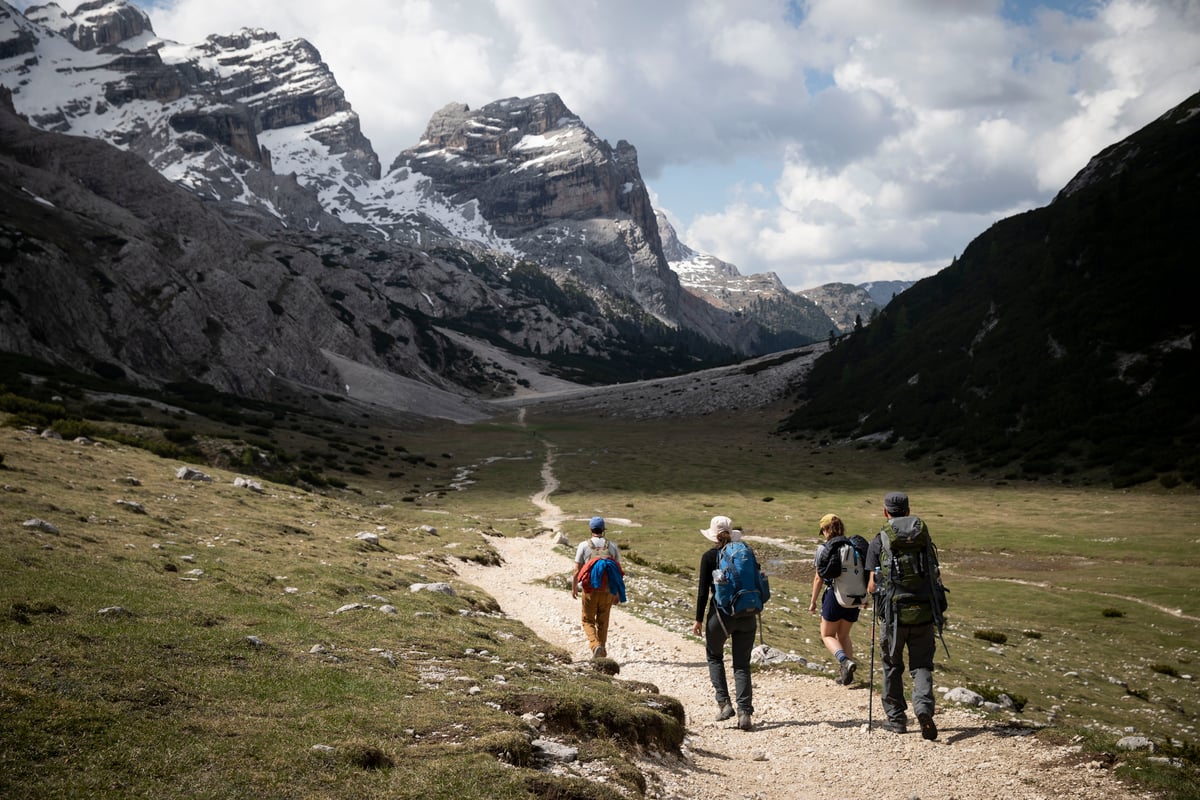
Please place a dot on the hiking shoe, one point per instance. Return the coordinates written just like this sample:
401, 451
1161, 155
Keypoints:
598, 651
928, 729
744, 722
725, 712
895, 726
848, 672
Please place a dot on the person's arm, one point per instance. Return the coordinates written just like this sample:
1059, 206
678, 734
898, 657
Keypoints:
578, 563
817, 582
873, 562
703, 589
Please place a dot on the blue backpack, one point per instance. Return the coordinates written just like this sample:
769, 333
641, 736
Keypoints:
739, 587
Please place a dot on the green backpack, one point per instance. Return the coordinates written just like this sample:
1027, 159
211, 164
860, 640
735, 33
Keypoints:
909, 573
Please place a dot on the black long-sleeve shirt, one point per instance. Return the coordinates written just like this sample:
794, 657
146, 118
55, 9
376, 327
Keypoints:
708, 562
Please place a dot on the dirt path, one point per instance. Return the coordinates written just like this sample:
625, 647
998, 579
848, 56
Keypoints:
810, 738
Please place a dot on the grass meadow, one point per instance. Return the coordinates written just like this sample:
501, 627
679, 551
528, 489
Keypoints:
252, 659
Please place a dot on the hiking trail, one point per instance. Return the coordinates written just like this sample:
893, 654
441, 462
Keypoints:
810, 736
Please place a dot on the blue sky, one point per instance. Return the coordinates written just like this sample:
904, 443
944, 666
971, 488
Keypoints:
824, 140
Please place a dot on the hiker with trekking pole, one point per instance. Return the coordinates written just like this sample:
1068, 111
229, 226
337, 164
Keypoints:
905, 580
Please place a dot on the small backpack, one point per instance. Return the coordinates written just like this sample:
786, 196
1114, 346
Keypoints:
909, 572
588, 576
850, 584
739, 588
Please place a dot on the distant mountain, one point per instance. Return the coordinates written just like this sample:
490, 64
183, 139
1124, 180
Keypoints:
882, 292
793, 319
511, 224
1059, 341
837, 307
848, 306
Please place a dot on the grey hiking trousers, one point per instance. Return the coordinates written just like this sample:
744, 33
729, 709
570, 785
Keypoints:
921, 643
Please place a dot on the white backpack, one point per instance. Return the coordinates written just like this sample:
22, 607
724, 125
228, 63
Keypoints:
850, 586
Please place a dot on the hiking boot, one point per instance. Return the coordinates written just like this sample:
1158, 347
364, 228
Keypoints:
848, 672
744, 722
725, 712
598, 651
928, 729
895, 726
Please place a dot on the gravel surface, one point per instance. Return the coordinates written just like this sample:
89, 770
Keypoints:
749, 384
810, 737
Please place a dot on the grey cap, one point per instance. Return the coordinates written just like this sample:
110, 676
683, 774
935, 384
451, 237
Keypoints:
896, 504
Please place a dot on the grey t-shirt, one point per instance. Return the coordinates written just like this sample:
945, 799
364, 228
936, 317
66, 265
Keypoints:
589, 547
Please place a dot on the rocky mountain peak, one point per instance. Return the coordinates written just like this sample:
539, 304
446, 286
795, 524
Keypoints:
527, 160
260, 125
94, 25
503, 123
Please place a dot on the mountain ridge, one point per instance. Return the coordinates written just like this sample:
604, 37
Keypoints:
1058, 342
260, 125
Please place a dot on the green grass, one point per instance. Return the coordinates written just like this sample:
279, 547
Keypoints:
1039, 557
175, 700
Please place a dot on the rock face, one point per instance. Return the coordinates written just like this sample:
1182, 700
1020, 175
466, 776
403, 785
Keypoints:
197, 113
529, 160
563, 197
513, 222
93, 25
111, 269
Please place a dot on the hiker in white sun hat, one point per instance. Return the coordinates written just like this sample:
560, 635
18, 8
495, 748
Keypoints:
718, 524
717, 629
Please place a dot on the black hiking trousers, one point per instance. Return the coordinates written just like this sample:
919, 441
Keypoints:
741, 632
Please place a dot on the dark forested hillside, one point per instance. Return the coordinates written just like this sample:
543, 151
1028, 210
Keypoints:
1062, 339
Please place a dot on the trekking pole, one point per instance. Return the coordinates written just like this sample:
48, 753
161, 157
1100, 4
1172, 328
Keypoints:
871, 674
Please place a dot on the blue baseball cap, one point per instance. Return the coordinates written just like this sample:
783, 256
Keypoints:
597, 523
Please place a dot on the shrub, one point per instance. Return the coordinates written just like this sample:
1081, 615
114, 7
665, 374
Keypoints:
178, 435
1112, 612
1031, 634
991, 636
73, 428
158, 447
1165, 669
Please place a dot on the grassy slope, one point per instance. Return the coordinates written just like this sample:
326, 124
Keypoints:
175, 699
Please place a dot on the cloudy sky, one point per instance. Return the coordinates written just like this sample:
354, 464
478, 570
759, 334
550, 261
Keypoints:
825, 140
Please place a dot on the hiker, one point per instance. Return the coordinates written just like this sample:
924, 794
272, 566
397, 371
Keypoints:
718, 627
904, 625
836, 621
597, 602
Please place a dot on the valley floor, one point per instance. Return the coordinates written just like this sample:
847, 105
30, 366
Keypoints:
810, 737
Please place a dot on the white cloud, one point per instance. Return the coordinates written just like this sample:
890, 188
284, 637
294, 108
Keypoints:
898, 130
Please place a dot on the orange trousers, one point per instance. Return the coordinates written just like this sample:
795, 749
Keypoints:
595, 611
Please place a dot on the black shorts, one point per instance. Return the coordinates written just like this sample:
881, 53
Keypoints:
832, 611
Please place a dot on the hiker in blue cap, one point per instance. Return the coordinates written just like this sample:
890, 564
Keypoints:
598, 577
